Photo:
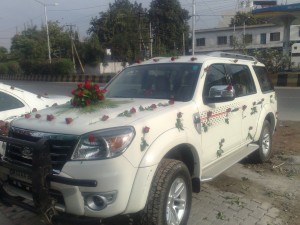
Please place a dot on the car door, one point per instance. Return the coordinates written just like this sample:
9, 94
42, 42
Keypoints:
221, 124
10, 106
247, 100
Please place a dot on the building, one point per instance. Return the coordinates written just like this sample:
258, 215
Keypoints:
251, 37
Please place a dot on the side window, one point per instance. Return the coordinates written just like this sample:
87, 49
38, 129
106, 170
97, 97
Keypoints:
216, 75
263, 79
8, 102
242, 80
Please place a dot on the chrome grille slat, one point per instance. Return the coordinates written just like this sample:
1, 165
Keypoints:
61, 147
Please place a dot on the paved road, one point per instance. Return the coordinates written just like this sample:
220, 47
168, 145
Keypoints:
210, 207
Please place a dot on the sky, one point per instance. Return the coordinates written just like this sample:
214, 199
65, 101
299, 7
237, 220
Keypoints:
16, 15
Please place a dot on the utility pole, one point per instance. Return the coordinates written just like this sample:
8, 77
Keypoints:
193, 27
151, 40
72, 48
183, 44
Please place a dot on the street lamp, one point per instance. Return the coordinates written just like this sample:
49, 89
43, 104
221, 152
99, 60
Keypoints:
46, 21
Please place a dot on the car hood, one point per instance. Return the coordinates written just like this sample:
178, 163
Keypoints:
66, 119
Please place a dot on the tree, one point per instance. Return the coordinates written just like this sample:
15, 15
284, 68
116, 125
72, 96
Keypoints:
169, 22
245, 17
91, 50
273, 59
121, 29
3, 53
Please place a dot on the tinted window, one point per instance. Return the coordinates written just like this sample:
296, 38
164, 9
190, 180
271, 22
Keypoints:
242, 80
160, 81
263, 78
8, 102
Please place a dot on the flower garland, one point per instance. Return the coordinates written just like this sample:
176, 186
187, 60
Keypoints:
144, 143
86, 94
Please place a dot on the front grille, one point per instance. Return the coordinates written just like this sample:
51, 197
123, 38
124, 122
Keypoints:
61, 147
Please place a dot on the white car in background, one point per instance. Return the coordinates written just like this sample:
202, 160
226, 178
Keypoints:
15, 102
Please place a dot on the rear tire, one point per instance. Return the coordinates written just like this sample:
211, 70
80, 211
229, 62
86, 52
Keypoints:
264, 152
170, 196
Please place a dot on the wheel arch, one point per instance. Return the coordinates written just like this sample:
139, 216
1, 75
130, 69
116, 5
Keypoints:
270, 117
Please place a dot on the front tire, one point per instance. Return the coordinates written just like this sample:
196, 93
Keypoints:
170, 196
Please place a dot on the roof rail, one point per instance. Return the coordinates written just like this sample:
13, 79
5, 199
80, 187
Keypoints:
232, 55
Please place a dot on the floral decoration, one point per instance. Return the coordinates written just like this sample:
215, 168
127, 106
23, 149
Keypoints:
92, 138
86, 94
249, 134
253, 108
50, 117
69, 120
227, 115
4, 128
144, 143
38, 116
261, 102
220, 151
244, 108
128, 113
178, 123
104, 118
34, 110
207, 124
27, 115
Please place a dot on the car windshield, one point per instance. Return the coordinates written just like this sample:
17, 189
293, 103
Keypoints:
160, 81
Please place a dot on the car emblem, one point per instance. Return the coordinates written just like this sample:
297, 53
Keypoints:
26, 152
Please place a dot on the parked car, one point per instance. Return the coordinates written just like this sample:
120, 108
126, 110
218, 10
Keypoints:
15, 102
165, 126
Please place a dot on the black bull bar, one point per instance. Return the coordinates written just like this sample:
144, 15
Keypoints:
42, 175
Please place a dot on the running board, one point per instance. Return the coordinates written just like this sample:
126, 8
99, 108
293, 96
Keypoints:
224, 163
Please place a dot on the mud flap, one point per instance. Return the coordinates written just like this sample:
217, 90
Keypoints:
41, 168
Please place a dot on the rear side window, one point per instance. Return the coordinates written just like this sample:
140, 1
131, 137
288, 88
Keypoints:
242, 80
263, 79
8, 102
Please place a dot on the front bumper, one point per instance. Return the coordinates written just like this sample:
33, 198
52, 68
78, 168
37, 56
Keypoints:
76, 180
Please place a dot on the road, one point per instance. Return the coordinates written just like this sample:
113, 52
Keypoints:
288, 98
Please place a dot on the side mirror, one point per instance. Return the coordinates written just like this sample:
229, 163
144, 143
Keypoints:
220, 93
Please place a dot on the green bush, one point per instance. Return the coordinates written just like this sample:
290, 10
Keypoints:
13, 68
3, 68
57, 67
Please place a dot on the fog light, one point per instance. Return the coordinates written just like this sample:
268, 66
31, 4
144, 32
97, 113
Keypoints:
99, 201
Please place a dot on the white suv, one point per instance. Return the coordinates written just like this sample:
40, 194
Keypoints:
165, 126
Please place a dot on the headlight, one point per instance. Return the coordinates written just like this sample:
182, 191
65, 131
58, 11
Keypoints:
103, 144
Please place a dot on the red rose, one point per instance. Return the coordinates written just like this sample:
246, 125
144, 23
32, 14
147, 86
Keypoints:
55, 104
12, 88
153, 106
50, 117
87, 84
103, 91
96, 86
173, 58
179, 115
228, 110
100, 97
87, 102
209, 114
146, 130
79, 85
193, 59
250, 128
80, 94
27, 115
229, 87
73, 92
34, 110
69, 120
132, 110
39, 96
92, 138
38, 116
171, 102
104, 117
